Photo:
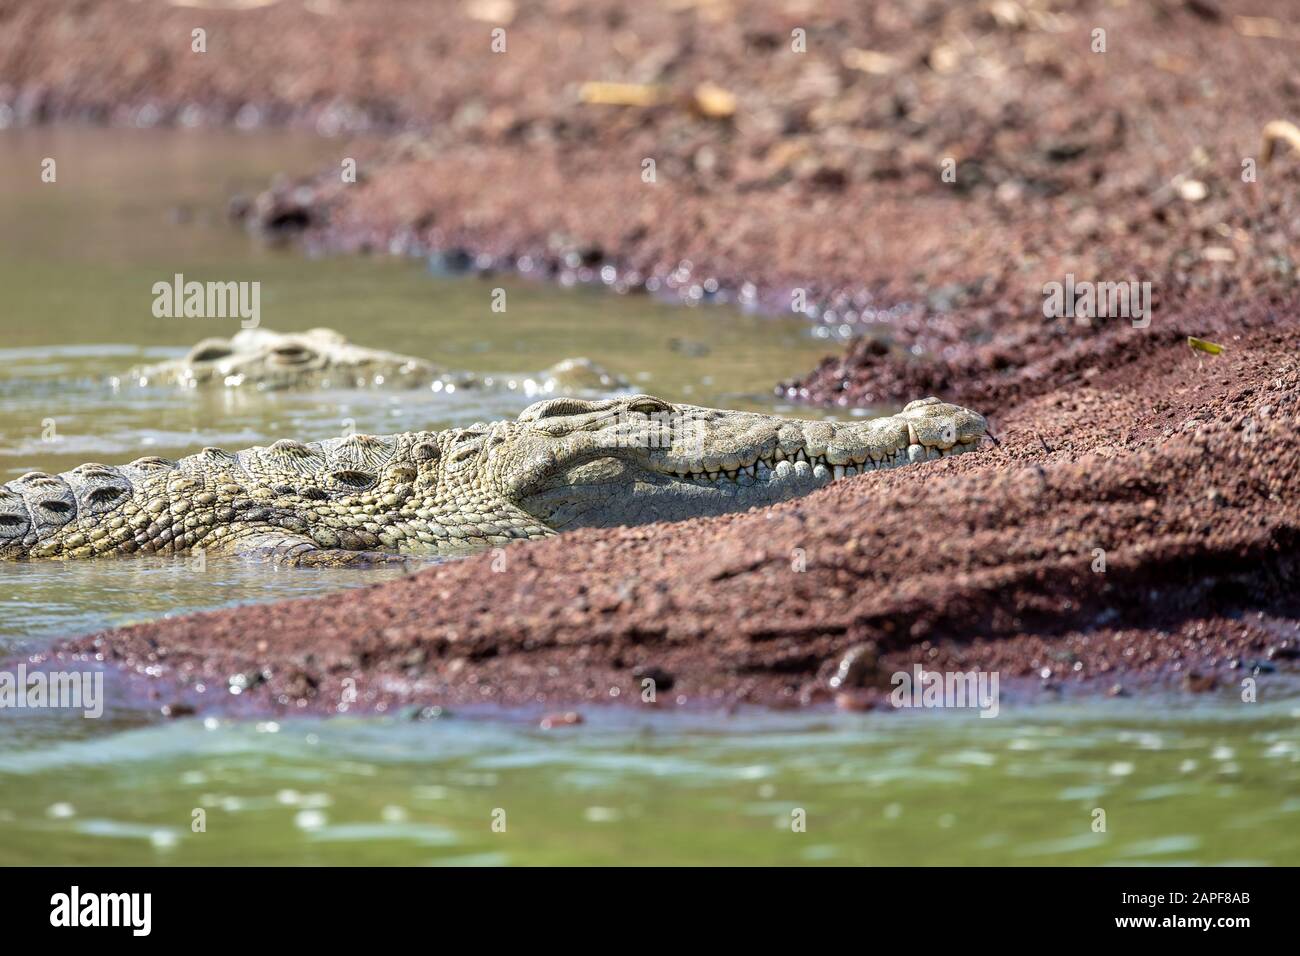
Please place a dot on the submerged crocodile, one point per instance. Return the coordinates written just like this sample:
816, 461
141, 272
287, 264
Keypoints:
565, 463
322, 358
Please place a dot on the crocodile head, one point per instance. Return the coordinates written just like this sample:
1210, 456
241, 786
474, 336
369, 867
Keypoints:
573, 463
268, 360
323, 358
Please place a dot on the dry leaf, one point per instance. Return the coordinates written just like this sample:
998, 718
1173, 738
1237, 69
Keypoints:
1265, 27
501, 12
869, 61
620, 94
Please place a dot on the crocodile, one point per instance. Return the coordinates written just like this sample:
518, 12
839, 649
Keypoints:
323, 358
564, 463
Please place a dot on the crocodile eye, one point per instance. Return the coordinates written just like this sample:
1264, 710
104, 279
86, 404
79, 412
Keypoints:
291, 354
646, 405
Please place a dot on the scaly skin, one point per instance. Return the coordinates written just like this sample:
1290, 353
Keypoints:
322, 358
565, 463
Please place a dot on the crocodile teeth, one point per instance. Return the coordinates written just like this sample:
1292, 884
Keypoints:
781, 465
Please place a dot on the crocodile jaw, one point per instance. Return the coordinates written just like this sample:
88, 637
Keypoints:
683, 462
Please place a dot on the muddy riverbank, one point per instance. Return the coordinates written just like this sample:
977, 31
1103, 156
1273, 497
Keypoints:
1140, 529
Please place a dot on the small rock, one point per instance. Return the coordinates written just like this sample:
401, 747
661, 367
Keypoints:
714, 102
943, 59
1191, 190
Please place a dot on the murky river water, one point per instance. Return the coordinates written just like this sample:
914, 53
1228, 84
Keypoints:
1214, 781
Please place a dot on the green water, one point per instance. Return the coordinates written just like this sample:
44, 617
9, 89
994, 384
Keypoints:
1212, 780
1205, 784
